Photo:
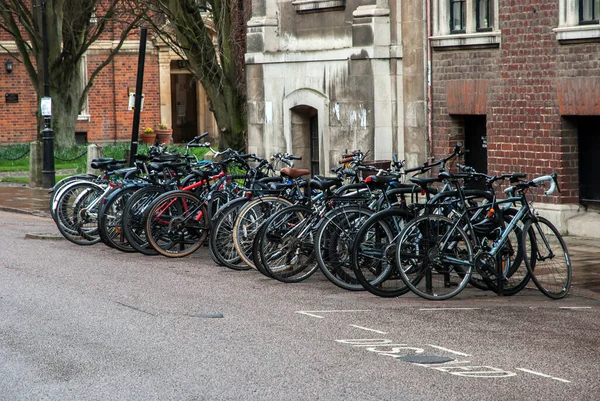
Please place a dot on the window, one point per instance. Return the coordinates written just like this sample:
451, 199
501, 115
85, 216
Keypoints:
457, 16
484, 15
578, 21
458, 23
84, 114
311, 6
588, 11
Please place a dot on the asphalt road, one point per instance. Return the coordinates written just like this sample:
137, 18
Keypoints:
91, 323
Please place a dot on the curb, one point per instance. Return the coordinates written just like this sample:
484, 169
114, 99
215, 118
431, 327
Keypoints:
24, 211
46, 237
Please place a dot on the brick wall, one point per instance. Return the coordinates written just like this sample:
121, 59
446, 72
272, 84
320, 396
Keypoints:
525, 131
108, 99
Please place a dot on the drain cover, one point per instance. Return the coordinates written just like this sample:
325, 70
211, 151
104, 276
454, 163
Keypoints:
208, 315
425, 359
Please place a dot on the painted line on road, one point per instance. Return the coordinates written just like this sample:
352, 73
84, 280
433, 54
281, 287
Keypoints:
450, 309
368, 329
448, 350
312, 312
543, 375
574, 307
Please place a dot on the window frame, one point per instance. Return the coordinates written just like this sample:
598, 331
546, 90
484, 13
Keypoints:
570, 27
463, 16
443, 36
84, 113
490, 16
594, 13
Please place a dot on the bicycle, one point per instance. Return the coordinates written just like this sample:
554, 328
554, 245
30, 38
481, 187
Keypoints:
436, 256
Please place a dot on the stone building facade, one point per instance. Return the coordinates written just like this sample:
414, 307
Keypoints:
329, 75
519, 82
171, 95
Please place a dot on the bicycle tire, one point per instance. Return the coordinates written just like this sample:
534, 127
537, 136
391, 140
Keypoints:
333, 245
68, 206
176, 224
374, 253
221, 245
287, 249
110, 220
547, 258
134, 218
512, 275
249, 219
435, 257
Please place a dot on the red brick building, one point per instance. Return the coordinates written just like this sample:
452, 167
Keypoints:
171, 94
519, 82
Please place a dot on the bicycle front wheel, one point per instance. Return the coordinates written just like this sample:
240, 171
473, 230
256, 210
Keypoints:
547, 258
177, 224
435, 257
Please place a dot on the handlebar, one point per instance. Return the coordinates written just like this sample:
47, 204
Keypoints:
535, 182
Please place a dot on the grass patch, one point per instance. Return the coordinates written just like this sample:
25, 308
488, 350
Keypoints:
76, 157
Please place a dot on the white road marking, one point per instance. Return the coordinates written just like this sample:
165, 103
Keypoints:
448, 350
575, 307
544, 375
368, 329
309, 314
449, 308
312, 312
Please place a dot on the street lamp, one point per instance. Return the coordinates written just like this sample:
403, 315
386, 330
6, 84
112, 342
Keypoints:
9, 66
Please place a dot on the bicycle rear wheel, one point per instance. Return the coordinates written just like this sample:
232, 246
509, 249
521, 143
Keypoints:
547, 258
110, 220
134, 214
435, 257
251, 216
177, 225
287, 249
374, 253
221, 244
333, 245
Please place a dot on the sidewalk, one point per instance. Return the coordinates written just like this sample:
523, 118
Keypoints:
584, 252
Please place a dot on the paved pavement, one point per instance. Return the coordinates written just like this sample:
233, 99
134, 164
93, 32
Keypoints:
585, 252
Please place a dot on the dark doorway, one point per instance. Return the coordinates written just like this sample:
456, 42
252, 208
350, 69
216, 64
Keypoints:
184, 107
476, 146
305, 137
314, 145
588, 134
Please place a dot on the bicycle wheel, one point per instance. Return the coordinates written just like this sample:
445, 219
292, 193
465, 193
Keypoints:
333, 245
547, 258
250, 217
445, 202
374, 253
110, 220
56, 189
176, 224
287, 250
134, 218
511, 274
435, 257
222, 249
72, 219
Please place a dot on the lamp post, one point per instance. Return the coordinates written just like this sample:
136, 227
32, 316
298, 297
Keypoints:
48, 172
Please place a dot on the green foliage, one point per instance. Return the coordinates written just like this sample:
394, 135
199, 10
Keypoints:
76, 157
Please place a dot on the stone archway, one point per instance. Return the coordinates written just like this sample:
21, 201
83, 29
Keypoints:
305, 131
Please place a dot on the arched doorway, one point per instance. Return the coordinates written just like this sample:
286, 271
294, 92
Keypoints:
305, 132
305, 137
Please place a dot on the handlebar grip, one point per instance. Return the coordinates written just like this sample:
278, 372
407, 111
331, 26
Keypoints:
345, 160
291, 157
203, 135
